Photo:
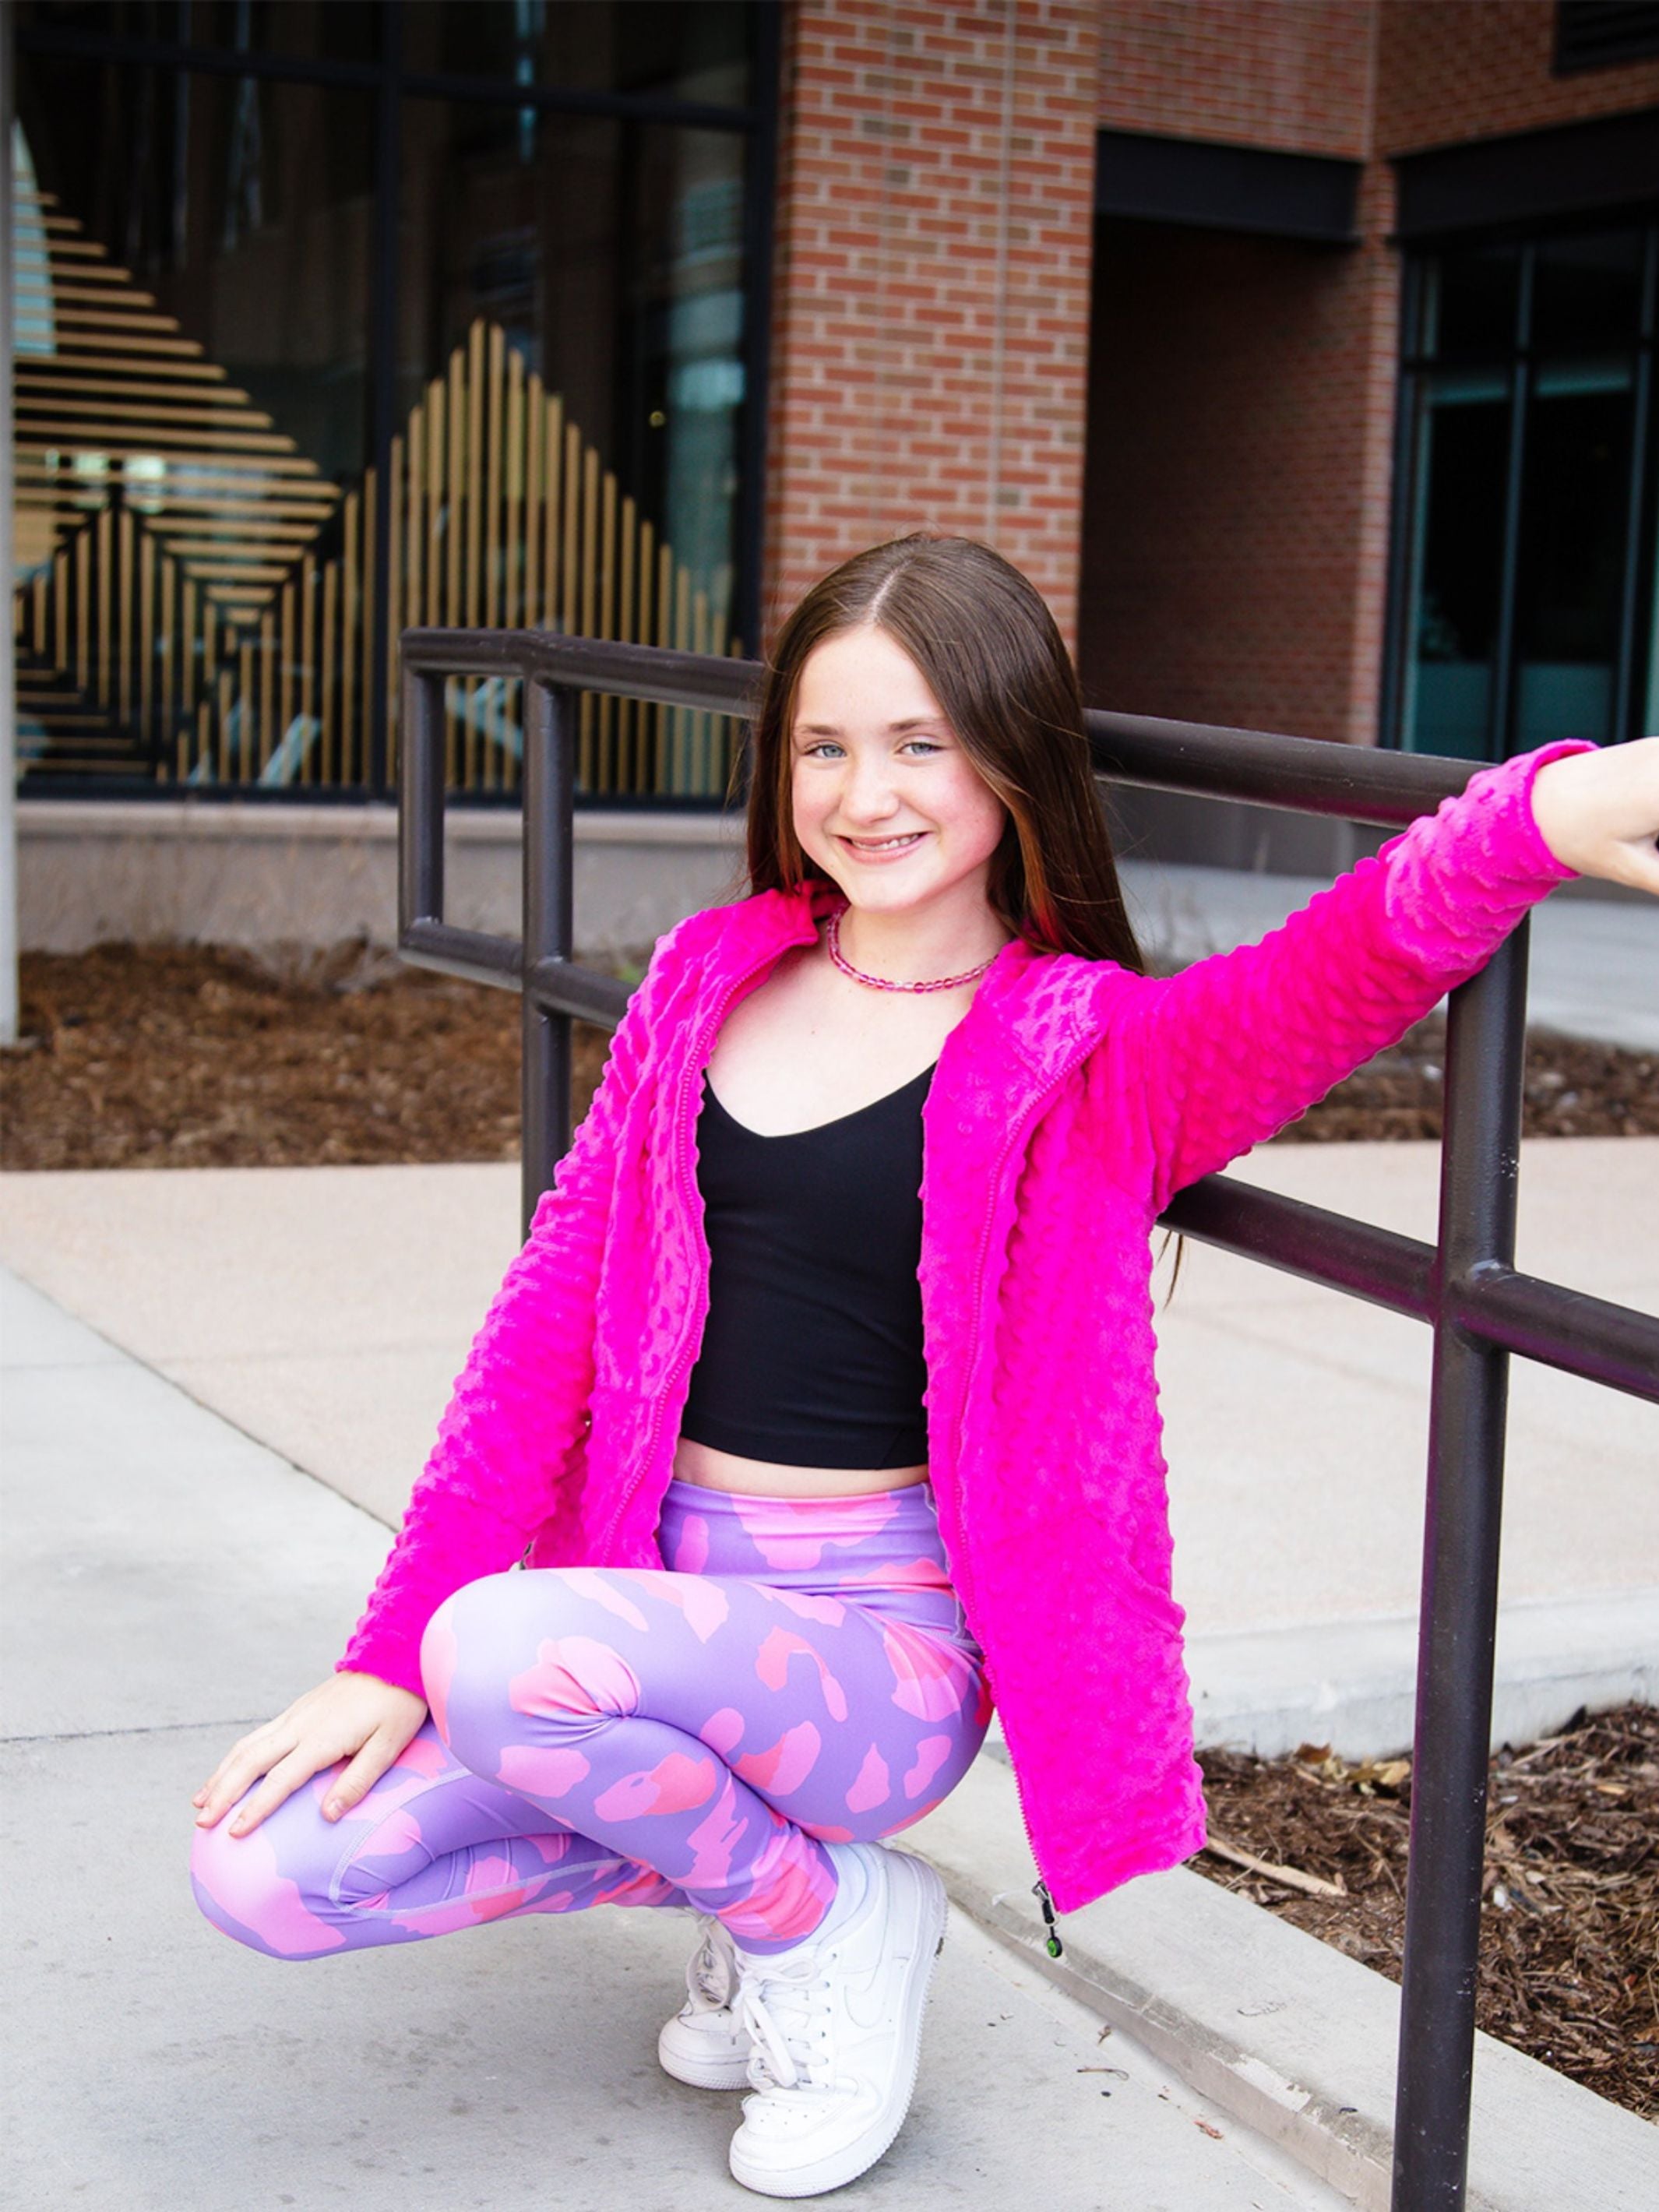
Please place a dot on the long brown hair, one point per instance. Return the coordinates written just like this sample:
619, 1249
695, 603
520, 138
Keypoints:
985, 640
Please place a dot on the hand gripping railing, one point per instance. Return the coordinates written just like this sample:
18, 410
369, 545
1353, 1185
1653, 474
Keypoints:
1466, 1285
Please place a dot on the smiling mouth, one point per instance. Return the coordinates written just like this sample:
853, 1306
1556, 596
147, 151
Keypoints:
885, 844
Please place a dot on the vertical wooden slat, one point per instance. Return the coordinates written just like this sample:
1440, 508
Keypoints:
513, 531
331, 615
567, 575
306, 769
627, 769
404, 554
455, 446
553, 464
349, 584
700, 721
365, 639
123, 581
223, 704
187, 636
495, 372
607, 617
105, 593
534, 413
682, 715
650, 712
589, 566
435, 419
147, 637
60, 577
172, 653
665, 636
267, 689
83, 611
285, 684
248, 723
475, 352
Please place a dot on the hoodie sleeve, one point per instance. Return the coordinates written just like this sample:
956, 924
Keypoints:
1238, 1044
518, 1410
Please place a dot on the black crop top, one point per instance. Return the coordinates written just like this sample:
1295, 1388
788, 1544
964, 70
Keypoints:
811, 1353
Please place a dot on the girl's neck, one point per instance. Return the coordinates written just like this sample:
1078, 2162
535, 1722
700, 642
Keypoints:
915, 947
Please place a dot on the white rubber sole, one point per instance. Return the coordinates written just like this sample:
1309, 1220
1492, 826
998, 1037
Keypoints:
915, 1889
699, 2070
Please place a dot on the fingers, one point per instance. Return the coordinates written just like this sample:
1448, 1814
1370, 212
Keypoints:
361, 1776
246, 1760
279, 1785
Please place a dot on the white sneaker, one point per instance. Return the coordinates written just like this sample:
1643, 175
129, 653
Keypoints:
837, 2023
706, 2044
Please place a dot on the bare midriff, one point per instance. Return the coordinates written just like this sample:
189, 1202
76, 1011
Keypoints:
710, 1469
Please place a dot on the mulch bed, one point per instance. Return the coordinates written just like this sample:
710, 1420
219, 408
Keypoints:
191, 1057
1569, 1968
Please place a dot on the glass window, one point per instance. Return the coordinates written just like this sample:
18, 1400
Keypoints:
228, 506
1457, 564
194, 524
571, 386
1537, 439
324, 30
1570, 578
661, 46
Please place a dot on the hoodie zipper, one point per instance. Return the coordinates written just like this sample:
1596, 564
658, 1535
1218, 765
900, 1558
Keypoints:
1052, 1943
689, 1195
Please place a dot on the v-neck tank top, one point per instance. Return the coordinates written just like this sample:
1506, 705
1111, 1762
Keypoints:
811, 1353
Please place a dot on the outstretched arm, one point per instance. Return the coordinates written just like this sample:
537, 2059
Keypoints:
1238, 1045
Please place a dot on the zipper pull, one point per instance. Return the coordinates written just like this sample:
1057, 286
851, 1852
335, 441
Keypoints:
1052, 1943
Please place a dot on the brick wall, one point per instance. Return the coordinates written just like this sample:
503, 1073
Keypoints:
1241, 409
932, 277
1290, 74
1481, 68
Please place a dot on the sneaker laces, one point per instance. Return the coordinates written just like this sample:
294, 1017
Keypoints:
782, 2001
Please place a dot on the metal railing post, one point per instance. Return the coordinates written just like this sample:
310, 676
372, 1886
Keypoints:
549, 800
1469, 1395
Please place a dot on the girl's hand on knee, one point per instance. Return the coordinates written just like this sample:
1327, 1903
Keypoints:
351, 1716
1599, 812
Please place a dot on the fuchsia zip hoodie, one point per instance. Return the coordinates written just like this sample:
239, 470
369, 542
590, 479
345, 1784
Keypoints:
1070, 1103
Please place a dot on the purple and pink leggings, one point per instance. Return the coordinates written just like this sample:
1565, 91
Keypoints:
800, 1674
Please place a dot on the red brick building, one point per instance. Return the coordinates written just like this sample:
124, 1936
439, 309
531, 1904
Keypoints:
1301, 351
1207, 313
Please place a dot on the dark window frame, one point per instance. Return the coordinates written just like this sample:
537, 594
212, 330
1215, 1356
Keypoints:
1636, 652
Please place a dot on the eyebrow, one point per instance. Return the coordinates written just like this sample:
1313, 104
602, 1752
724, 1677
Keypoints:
828, 730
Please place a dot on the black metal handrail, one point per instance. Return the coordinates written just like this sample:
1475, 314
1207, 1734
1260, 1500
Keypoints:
1465, 1286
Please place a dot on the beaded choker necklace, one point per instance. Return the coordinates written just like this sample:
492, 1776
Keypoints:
881, 982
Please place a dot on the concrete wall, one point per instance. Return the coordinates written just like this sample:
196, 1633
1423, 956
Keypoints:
310, 875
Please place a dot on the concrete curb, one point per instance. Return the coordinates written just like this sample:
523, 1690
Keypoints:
1351, 1683
1289, 2035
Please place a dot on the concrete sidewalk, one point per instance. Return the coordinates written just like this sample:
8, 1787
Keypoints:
171, 1582
326, 1310
1593, 968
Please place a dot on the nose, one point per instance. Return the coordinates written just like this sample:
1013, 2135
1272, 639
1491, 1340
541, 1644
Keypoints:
866, 792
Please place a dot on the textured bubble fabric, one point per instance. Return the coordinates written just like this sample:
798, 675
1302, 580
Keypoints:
799, 1673
1070, 1103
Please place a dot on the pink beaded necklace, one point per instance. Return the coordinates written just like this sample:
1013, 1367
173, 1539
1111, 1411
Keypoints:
881, 982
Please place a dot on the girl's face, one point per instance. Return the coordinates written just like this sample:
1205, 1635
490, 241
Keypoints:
886, 800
